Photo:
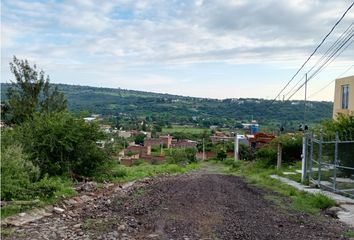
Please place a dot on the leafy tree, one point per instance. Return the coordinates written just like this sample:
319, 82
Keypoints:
30, 92
59, 143
139, 138
221, 154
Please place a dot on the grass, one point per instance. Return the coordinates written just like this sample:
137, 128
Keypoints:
184, 129
62, 189
299, 200
349, 234
117, 173
120, 173
98, 225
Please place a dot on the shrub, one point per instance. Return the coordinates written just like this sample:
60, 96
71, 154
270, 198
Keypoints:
322, 202
221, 154
246, 152
266, 157
119, 173
59, 143
181, 156
292, 147
49, 187
17, 173
229, 161
138, 162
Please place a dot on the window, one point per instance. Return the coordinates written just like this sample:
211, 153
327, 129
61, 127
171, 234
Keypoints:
345, 96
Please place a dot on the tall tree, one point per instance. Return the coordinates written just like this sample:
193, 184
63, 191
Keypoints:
31, 92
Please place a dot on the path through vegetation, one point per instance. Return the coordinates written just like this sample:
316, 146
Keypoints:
202, 204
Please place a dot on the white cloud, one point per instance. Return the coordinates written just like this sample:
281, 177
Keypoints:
115, 35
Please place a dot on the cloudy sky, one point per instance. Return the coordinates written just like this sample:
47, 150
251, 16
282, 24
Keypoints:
210, 48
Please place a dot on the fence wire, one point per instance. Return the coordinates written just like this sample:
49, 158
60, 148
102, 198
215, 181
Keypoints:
330, 160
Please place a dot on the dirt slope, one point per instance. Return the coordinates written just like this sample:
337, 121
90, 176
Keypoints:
198, 205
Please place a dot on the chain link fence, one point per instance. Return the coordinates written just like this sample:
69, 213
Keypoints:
330, 162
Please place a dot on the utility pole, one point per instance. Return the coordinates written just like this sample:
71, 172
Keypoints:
236, 148
304, 140
203, 150
304, 123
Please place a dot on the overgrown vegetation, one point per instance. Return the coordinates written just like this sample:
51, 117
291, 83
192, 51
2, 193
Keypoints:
181, 156
120, 173
257, 173
47, 147
30, 92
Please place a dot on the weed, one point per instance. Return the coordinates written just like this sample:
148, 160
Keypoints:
97, 224
256, 174
89, 223
6, 232
349, 234
138, 193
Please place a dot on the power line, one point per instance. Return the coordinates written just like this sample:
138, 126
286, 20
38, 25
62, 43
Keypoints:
342, 36
323, 56
317, 92
321, 67
329, 59
324, 39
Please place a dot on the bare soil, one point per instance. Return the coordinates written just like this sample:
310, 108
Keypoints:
197, 205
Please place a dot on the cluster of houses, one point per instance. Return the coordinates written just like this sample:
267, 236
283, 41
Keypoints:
134, 152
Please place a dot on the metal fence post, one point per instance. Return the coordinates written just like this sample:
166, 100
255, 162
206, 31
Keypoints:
335, 162
320, 159
279, 157
311, 154
304, 158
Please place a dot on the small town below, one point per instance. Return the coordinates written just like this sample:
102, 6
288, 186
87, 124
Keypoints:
240, 124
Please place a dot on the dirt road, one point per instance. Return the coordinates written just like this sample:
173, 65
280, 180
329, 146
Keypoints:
197, 205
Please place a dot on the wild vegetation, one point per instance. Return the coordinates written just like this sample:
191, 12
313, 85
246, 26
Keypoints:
256, 173
45, 148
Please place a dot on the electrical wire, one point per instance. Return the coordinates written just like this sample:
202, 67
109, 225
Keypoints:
317, 92
323, 40
323, 65
343, 35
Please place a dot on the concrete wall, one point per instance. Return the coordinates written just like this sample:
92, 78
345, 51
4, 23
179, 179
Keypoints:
337, 105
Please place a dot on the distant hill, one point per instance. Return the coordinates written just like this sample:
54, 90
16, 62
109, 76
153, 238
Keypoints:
179, 109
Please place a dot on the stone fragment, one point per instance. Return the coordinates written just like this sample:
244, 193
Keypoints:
58, 210
152, 236
121, 227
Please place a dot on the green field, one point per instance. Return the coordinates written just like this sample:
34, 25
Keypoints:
184, 129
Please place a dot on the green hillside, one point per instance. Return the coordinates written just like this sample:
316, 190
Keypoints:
189, 110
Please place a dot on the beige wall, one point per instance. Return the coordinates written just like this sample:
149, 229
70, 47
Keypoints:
337, 105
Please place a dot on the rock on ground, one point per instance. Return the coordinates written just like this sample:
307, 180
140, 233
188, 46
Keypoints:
198, 205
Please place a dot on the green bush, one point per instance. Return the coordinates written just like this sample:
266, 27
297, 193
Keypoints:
292, 147
181, 156
49, 187
221, 154
322, 202
138, 162
59, 143
266, 157
17, 173
245, 152
229, 161
119, 173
